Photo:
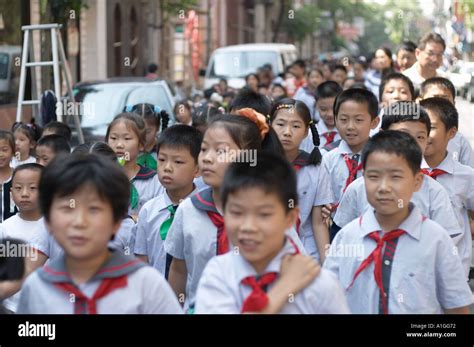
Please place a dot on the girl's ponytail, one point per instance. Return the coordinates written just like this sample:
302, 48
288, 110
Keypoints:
315, 156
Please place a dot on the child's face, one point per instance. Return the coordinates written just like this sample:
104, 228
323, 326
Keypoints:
183, 115
395, 90
25, 190
216, 151
150, 133
124, 141
6, 153
439, 136
256, 222
405, 59
176, 167
354, 123
416, 129
290, 129
277, 92
390, 183
23, 145
82, 223
326, 110
435, 90
44, 155
315, 79
358, 72
339, 76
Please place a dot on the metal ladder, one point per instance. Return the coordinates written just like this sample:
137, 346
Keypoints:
59, 57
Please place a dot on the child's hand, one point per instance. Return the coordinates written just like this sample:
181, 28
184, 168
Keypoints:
297, 271
326, 210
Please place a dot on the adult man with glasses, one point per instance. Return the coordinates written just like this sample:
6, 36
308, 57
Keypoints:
429, 57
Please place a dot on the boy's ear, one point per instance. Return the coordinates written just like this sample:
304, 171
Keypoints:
452, 132
196, 172
374, 122
419, 177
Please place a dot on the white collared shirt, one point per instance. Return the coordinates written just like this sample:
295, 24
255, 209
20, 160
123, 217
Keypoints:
459, 183
413, 74
307, 144
461, 150
337, 168
431, 199
221, 291
426, 274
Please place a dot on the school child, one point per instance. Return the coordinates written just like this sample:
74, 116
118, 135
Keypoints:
247, 98
431, 199
155, 118
339, 74
393, 259
182, 112
456, 178
100, 280
307, 93
49, 147
24, 225
202, 115
126, 136
25, 136
268, 267
292, 121
7, 150
278, 92
198, 232
458, 146
178, 150
406, 56
355, 115
58, 128
325, 95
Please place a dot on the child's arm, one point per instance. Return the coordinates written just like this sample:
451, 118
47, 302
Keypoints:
177, 278
296, 273
457, 310
320, 231
143, 258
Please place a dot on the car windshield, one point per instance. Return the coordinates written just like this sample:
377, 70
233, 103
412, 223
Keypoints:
100, 103
4, 59
240, 64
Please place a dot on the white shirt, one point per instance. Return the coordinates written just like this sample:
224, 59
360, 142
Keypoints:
426, 276
15, 162
337, 168
461, 150
431, 199
459, 183
220, 289
413, 74
307, 144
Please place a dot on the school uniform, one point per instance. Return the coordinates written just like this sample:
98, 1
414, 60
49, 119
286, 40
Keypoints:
15, 162
314, 189
225, 287
326, 137
16, 227
148, 159
8, 207
196, 235
418, 272
123, 285
154, 221
343, 167
44, 242
461, 150
305, 95
458, 180
145, 186
431, 199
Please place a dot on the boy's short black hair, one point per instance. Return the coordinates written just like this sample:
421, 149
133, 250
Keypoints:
396, 76
360, 96
58, 143
438, 81
59, 129
248, 98
408, 46
68, 174
181, 136
444, 110
29, 166
394, 142
271, 173
339, 67
97, 147
405, 111
328, 89
300, 63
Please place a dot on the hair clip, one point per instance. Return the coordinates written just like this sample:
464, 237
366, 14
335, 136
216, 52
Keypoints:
279, 107
156, 109
311, 122
128, 108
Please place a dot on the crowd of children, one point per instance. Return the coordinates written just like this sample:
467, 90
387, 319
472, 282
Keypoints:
320, 193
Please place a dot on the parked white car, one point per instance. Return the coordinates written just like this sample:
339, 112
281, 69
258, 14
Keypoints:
235, 62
